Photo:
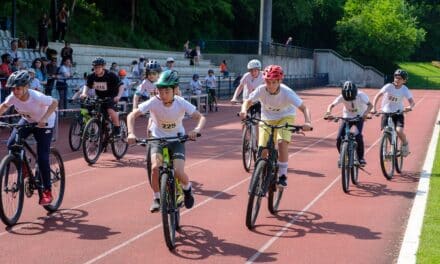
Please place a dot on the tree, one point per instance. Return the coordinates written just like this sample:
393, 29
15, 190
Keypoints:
378, 32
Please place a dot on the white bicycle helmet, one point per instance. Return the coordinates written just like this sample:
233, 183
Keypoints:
254, 64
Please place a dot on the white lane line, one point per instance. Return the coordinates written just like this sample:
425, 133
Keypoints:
413, 231
306, 208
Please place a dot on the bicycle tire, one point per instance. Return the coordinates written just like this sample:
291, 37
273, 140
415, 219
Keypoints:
384, 154
58, 180
399, 157
246, 150
75, 134
354, 172
148, 165
120, 146
92, 140
168, 210
17, 185
345, 168
255, 193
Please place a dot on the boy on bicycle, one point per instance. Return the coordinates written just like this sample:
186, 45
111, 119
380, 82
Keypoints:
107, 85
393, 101
356, 103
33, 106
167, 111
278, 104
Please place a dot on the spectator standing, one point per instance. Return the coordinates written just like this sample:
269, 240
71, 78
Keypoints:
64, 72
186, 49
289, 41
62, 16
5, 71
224, 69
43, 26
51, 70
66, 52
114, 68
169, 64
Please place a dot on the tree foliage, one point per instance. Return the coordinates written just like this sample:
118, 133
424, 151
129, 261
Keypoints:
379, 31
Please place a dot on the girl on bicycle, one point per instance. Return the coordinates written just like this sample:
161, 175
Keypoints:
392, 101
167, 111
34, 107
356, 103
278, 103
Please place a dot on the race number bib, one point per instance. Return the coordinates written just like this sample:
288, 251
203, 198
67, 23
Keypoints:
168, 125
393, 99
100, 86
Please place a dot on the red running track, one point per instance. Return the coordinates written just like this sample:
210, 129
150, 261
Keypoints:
105, 217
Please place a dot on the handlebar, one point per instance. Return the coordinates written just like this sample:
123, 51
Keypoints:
164, 140
346, 119
293, 128
393, 113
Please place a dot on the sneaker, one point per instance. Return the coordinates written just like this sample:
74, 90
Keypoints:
405, 150
188, 198
282, 181
362, 162
155, 206
46, 197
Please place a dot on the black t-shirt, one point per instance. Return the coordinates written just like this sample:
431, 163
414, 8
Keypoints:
105, 86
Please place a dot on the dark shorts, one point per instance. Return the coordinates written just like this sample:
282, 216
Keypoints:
109, 105
211, 92
398, 119
176, 149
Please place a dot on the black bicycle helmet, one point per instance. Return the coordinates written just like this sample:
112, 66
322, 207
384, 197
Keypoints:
401, 73
153, 66
98, 61
168, 79
18, 78
349, 91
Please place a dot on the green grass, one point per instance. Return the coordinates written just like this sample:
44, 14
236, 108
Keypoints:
422, 74
429, 248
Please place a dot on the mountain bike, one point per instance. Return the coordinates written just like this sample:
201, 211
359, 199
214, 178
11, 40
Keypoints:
98, 133
171, 193
390, 152
77, 125
249, 142
265, 176
17, 178
348, 157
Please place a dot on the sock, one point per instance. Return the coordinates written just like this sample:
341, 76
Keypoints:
156, 195
282, 168
186, 187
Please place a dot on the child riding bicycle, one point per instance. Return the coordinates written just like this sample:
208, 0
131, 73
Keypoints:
278, 104
356, 103
33, 106
167, 111
392, 101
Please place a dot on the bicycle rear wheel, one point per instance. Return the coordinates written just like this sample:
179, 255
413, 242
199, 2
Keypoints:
168, 210
399, 157
354, 171
386, 154
120, 144
256, 193
246, 149
148, 165
92, 141
75, 134
345, 167
58, 180
12, 191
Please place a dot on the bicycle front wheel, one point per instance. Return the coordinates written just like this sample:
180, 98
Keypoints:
345, 167
92, 141
57, 179
75, 134
148, 165
120, 144
387, 157
399, 157
354, 171
168, 210
256, 193
247, 151
12, 191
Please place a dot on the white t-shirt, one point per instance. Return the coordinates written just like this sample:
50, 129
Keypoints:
250, 83
210, 81
277, 106
393, 98
167, 120
196, 87
33, 109
355, 107
126, 83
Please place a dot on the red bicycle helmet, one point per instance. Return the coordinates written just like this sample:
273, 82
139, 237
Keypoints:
273, 72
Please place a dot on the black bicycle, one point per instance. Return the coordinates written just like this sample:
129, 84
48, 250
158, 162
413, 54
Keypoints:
249, 142
265, 175
348, 157
390, 152
171, 193
98, 133
17, 178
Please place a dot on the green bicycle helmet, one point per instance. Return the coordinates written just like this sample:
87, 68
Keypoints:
167, 79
